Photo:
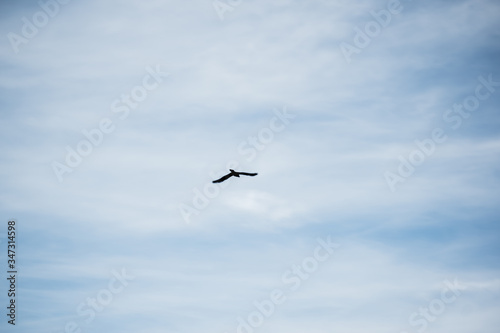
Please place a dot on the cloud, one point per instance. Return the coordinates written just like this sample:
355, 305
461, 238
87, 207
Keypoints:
323, 174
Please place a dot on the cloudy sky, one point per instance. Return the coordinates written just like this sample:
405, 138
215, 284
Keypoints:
373, 125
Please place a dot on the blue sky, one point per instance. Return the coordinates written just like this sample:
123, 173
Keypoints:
116, 117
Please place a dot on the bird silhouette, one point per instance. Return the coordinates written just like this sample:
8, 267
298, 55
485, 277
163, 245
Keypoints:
233, 173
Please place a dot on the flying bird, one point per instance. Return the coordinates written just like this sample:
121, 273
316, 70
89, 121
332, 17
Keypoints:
233, 173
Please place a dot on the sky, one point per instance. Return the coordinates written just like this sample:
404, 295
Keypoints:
373, 127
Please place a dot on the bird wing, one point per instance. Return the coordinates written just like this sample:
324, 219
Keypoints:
223, 178
247, 174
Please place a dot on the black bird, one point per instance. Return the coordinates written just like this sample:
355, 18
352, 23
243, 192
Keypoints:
233, 173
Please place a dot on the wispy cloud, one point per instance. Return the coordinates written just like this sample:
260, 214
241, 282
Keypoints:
323, 174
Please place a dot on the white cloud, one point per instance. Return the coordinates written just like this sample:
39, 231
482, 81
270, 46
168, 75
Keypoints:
323, 174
